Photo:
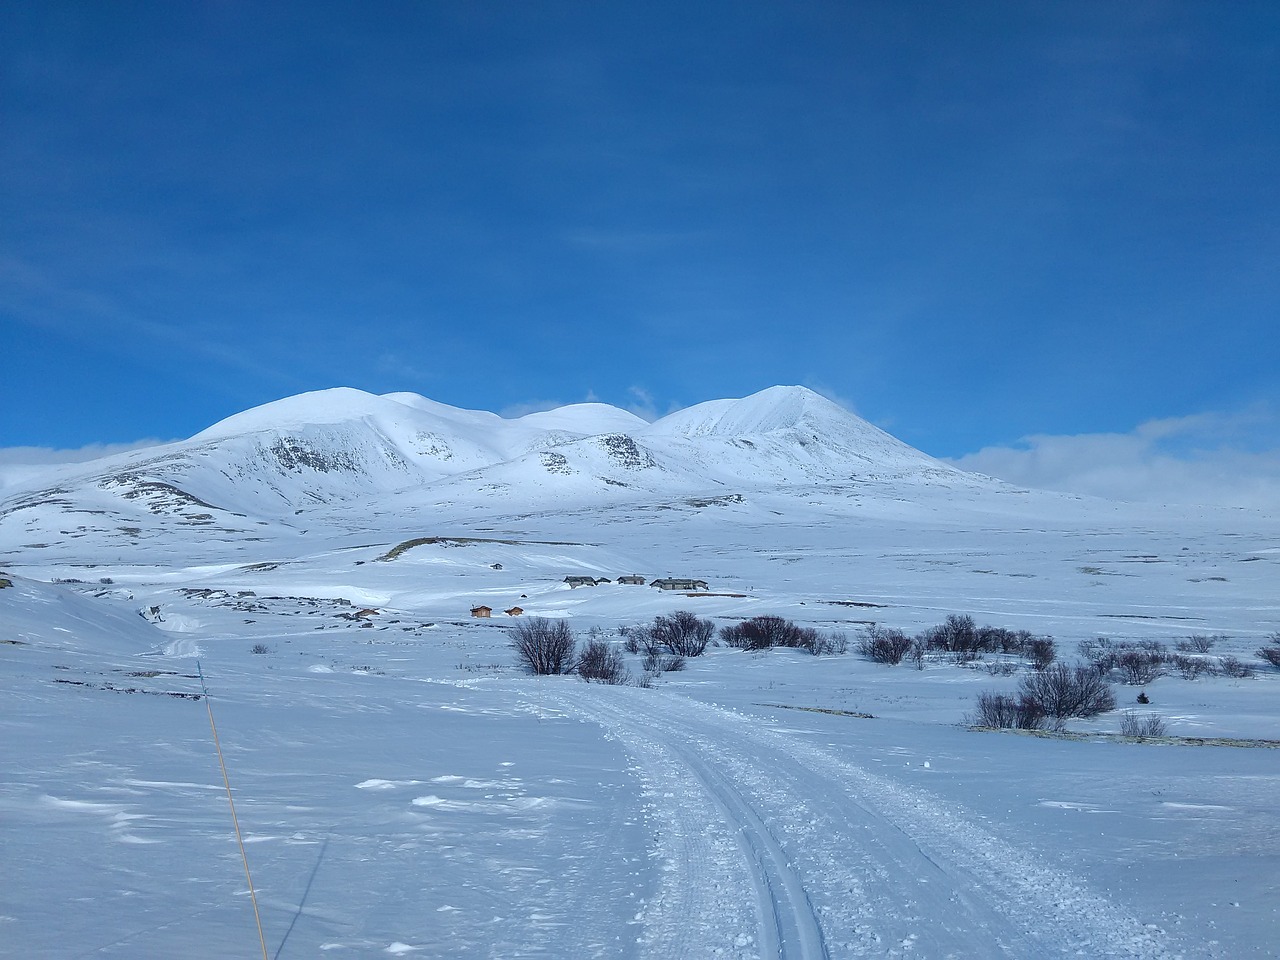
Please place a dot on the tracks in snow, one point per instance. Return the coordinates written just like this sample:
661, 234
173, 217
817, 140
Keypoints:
772, 847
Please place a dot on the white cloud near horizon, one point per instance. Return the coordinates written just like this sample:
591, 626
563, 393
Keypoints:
1220, 459
46, 456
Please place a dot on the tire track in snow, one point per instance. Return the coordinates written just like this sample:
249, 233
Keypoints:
698, 909
849, 863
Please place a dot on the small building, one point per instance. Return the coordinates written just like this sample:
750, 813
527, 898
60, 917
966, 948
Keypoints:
633, 579
482, 611
670, 583
366, 613
514, 611
575, 582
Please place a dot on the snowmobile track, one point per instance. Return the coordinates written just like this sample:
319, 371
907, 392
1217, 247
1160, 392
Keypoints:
833, 860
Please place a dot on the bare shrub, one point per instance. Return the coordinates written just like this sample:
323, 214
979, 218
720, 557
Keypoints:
259, 648
763, 632
1192, 668
1134, 724
830, 645
1196, 643
1065, 691
1235, 668
683, 633
1139, 667
1271, 653
543, 647
916, 653
1005, 712
671, 663
884, 645
602, 661
958, 632
1137, 662
1001, 668
630, 639
967, 642
1040, 651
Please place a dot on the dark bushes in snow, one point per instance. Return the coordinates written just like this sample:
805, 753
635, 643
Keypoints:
764, 632
884, 645
1197, 643
1066, 692
1047, 697
683, 633
999, 710
959, 637
602, 661
1235, 668
1134, 724
1271, 653
543, 646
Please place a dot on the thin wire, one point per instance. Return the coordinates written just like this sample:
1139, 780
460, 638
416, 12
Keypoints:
234, 819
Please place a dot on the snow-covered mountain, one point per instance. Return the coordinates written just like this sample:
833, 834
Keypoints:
344, 446
327, 561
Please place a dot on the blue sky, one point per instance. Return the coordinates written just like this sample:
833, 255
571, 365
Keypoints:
978, 225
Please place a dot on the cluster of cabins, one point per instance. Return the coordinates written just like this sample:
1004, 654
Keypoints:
663, 583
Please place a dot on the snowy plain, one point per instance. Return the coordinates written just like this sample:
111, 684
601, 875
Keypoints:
404, 789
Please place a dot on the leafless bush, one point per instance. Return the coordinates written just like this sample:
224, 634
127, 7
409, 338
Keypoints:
828, 645
958, 632
1271, 653
1196, 643
1004, 712
656, 663
884, 645
967, 642
1192, 668
916, 653
763, 632
1065, 691
1001, 668
1139, 667
259, 648
1040, 651
683, 633
602, 661
1137, 662
1134, 724
630, 642
1235, 668
543, 646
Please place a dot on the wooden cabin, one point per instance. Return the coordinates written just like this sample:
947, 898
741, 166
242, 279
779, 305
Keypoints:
514, 611
633, 579
482, 611
670, 583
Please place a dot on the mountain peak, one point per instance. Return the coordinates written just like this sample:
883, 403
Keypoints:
770, 410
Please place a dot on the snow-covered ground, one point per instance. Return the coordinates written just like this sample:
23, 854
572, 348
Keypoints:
404, 789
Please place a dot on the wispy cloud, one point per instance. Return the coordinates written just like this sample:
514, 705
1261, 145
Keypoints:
1230, 459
